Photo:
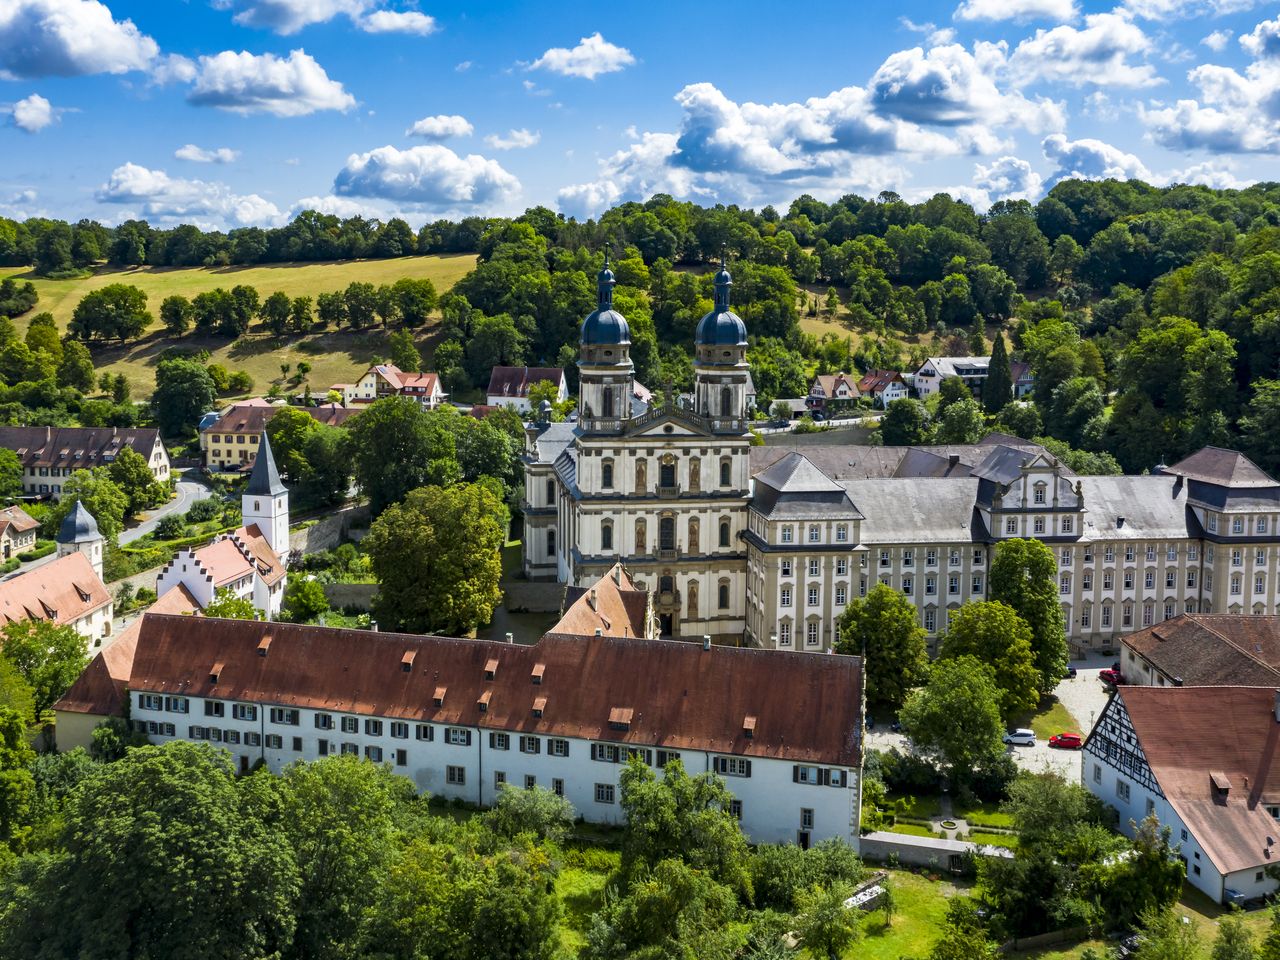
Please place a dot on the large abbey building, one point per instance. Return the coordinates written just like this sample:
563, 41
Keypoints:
766, 546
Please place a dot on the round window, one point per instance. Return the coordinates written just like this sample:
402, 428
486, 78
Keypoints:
667, 428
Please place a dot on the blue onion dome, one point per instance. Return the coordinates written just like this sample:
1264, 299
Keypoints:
721, 327
605, 325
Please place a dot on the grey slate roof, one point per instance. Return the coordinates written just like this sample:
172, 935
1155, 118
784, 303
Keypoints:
264, 481
552, 441
1153, 508
926, 510
78, 526
854, 461
793, 488
1223, 467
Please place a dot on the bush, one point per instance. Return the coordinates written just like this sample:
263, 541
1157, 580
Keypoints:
781, 871
593, 858
42, 549
10, 565
902, 773
171, 527
204, 510
144, 597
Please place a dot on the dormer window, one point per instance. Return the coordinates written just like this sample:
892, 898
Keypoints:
539, 706
483, 702
1038, 495
538, 670
491, 668
438, 698
620, 718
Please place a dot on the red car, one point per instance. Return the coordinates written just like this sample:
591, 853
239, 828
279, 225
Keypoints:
1066, 741
1113, 677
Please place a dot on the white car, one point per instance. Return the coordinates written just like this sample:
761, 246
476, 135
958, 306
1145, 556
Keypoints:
1021, 738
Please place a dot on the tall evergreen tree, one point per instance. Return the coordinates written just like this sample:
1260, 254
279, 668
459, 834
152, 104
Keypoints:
998, 390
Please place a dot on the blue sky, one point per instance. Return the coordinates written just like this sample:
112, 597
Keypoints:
233, 112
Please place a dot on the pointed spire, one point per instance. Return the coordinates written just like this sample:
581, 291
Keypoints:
723, 283
78, 526
264, 481
604, 285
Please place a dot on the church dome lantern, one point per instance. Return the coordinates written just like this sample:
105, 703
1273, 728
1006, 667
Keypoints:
605, 326
721, 327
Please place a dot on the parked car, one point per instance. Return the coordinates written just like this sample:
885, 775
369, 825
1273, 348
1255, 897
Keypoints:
1070, 674
1021, 737
871, 722
1113, 677
1066, 741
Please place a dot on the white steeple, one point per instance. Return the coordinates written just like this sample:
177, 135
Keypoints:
266, 501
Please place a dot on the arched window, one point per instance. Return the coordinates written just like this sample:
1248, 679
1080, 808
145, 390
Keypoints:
606, 535
551, 491
726, 471
551, 543
641, 477
693, 599
724, 533
606, 402
667, 533
667, 473
640, 531
606, 474
726, 401
724, 595
694, 529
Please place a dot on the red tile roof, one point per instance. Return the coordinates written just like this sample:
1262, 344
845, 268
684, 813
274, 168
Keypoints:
238, 555
611, 605
101, 689
516, 381
252, 416
875, 381
77, 448
1189, 735
1212, 650
63, 591
682, 696
18, 519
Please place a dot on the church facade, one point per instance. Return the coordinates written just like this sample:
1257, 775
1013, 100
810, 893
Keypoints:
766, 546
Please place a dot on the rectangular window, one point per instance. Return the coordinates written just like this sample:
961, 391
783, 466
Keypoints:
908, 558
1148, 615
1068, 525
399, 730
424, 731
786, 597
285, 717
930, 586
784, 634
323, 721
786, 534
806, 818
1064, 557
1193, 554
1122, 790
908, 585
530, 744
842, 533
322, 747
842, 567
931, 557
1170, 579
930, 621
1126, 619
953, 584
811, 634
455, 775
1128, 554
1108, 580
1149, 580
1097, 775
274, 741
177, 704
402, 758
803, 774
497, 741
813, 566
1106, 616
1259, 583
1236, 559
733, 766
252, 739
530, 781
604, 793
785, 568
374, 754
1128, 579
197, 733
979, 555
884, 558
842, 596
813, 534
557, 747
735, 808
1037, 525
1085, 616
1237, 525
1261, 525
1151, 553
213, 708
351, 748
350, 725
1064, 583
499, 778
150, 701
1011, 525
557, 786
457, 736
1259, 557
1086, 580
372, 728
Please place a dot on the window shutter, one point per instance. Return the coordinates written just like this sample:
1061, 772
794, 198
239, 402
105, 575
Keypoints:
748, 768
826, 777
720, 764
593, 751
493, 741
468, 732
795, 774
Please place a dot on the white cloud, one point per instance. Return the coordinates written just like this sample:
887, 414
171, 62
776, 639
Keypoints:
1211, 173
337, 206
200, 155
1263, 42
245, 83
950, 86
68, 38
394, 21
173, 68
1020, 10
289, 16
1099, 53
463, 66
1008, 178
593, 56
1176, 9
32, 114
172, 199
1218, 40
933, 33
441, 127
431, 176
514, 140
1089, 159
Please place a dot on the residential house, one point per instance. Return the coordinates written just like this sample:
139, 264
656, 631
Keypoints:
69, 590
611, 607
250, 562
101, 691
973, 371
1203, 761
509, 386
462, 718
883, 387
1204, 650
17, 531
51, 454
833, 391
231, 441
387, 380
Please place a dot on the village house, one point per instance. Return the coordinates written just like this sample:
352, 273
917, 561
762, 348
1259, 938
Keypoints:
387, 380
611, 607
18, 531
1202, 760
883, 387
973, 371
69, 590
835, 391
509, 386
231, 441
251, 561
1204, 650
51, 454
461, 718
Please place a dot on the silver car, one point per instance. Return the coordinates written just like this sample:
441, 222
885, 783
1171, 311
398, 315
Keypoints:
1021, 737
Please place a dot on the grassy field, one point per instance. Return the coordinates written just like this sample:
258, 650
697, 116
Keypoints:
1051, 717
921, 908
334, 356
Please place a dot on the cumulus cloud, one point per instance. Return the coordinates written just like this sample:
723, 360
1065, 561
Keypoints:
950, 86
289, 16
441, 127
1099, 53
514, 140
32, 114
1008, 178
336, 206
1020, 10
247, 83
1210, 173
69, 38
200, 155
398, 21
172, 199
1089, 159
933, 33
430, 176
1218, 40
1263, 42
1177, 9
593, 56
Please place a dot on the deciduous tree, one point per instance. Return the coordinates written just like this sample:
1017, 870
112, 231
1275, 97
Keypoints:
184, 392
884, 628
1024, 575
101, 496
993, 633
396, 446
956, 716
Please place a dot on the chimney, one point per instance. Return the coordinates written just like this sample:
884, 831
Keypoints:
706, 641
591, 598
617, 574
511, 638
954, 459
600, 633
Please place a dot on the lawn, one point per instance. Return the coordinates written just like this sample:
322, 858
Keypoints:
912, 829
921, 909
1051, 717
919, 808
334, 357
984, 814
581, 892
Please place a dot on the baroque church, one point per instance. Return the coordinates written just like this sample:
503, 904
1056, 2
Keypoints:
765, 546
